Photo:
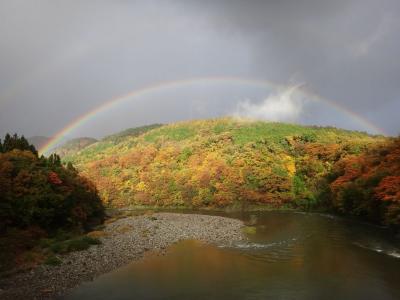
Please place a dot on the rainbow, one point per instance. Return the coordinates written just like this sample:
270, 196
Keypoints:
166, 85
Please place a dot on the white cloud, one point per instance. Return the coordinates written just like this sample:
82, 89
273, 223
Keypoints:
285, 105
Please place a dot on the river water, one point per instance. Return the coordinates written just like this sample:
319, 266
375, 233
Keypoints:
289, 256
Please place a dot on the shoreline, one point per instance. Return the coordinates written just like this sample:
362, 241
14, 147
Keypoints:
227, 209
125, 240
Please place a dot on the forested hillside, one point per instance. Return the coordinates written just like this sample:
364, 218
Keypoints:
39, 198
226, 162
368, 185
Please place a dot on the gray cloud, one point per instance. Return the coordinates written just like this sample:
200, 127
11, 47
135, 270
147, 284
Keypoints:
61, 59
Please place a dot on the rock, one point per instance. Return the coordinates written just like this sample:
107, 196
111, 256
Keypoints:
122, 241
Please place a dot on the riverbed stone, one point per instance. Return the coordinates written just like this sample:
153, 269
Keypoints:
120, 247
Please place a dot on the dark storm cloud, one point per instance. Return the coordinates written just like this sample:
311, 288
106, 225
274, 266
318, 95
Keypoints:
347, 50
60, 59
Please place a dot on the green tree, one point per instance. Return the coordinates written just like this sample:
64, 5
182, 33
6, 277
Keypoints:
15, 142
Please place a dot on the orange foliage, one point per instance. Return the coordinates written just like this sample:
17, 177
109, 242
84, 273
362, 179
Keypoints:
370, 184
389, 189
352, 169
54, 178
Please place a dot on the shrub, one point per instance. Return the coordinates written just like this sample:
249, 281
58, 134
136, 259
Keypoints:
75, 244
53, 260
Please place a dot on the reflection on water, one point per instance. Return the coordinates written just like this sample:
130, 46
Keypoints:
291, 256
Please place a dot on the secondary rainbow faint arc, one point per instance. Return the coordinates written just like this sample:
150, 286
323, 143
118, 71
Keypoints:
179, 83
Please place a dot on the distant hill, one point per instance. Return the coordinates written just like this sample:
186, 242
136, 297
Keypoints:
69, 150
38, 141
130, 132
74, 146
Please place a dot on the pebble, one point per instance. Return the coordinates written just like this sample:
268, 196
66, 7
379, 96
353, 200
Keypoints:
118, 248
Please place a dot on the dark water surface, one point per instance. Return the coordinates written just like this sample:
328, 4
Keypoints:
291, 256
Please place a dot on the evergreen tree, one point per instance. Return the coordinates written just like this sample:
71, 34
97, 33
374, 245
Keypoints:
54, 160
14, 142
7, 146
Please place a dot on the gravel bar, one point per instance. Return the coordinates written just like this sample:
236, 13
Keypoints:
125, 240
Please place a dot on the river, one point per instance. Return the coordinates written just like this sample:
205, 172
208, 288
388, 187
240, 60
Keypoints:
288, 256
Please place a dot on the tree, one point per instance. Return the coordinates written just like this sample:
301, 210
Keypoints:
15, 142
41, 192
368, 184
54, 160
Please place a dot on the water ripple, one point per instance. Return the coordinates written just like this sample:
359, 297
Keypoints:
379, 249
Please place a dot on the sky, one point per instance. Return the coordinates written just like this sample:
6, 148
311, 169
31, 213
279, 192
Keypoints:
323, 62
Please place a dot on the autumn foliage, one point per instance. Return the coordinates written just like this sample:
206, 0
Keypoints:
41, 192
224, 162
368, 184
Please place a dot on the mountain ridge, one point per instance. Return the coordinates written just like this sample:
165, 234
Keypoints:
38, 141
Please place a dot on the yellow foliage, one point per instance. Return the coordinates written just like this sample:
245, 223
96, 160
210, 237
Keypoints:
289, 164
141, 187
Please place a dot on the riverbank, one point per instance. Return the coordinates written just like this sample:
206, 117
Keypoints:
239, 207
122, 242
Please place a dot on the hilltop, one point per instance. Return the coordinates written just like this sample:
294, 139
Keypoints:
241, 133
38, 141
72, 147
